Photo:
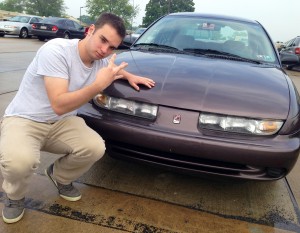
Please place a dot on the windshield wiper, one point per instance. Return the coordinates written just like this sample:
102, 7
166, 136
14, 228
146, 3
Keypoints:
221, 54
155, 45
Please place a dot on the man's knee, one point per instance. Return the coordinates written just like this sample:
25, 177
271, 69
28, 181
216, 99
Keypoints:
18, 161
95, 149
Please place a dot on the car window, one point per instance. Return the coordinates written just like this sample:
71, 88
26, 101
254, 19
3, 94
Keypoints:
248, 40
34, 20
78, 26
70, 24
297, 41
290, 42
22, 19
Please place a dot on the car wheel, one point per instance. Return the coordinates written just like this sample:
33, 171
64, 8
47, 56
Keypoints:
67, 35
1, 35
23, 33
41, 38
289, 67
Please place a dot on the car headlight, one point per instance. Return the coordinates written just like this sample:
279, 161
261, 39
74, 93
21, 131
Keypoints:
125, 106
10, 26
239, 124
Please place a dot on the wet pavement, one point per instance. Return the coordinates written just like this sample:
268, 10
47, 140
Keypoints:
120, 196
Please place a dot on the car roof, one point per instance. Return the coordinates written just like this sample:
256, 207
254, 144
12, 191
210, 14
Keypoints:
215, 16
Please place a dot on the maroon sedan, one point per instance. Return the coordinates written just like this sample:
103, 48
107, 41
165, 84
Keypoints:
222, 104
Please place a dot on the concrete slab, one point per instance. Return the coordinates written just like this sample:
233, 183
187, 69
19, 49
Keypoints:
102, 210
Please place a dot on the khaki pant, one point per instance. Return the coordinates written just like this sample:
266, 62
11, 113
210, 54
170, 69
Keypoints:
22, 140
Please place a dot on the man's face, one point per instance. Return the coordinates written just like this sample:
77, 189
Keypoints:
102, 42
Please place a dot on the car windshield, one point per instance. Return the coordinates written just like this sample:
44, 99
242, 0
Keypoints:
202, 35
22, 19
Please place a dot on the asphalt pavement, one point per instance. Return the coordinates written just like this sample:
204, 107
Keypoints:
120, 196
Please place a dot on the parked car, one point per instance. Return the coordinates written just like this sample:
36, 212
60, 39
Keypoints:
291, 49
222, 104
20, 25
54, 27
86, 31
130, 38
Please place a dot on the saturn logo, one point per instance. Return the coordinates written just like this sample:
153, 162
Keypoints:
176, 119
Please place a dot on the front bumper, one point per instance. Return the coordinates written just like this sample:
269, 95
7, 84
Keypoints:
254, 158
9, 31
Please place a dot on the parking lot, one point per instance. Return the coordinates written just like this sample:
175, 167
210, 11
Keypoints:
120, 196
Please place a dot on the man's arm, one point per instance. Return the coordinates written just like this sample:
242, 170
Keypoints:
62, 101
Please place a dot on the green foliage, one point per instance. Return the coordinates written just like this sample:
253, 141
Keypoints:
157, 8
13, 5
45, 7
122, 8
35, 7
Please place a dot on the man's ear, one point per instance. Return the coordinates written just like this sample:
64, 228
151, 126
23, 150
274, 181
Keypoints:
91, 29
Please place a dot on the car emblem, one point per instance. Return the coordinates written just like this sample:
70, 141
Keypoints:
176, 119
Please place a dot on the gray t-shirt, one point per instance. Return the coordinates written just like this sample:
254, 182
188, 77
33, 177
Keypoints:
57, 58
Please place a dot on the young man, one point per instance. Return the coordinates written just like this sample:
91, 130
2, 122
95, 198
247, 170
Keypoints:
64, 75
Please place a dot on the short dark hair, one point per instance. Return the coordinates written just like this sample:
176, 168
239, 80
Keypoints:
112, 20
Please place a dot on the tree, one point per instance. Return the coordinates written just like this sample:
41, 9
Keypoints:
13, 5
45, 7
157, 8
121, 8
35, 7
86, 19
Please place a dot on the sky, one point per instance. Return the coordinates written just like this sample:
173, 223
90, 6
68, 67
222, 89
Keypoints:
280, 19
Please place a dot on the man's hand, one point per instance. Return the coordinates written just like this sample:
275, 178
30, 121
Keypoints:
134, 80
107, 75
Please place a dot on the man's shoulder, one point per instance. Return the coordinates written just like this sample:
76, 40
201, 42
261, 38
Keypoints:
59, 46
60, 42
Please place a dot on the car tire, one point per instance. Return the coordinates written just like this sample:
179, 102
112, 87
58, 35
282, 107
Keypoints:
67, 35
2, 35
41, 38
23, 33
289, 67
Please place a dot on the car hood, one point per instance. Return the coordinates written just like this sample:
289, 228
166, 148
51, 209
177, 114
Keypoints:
207, 84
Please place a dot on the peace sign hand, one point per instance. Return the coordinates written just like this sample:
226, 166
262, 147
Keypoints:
108, 74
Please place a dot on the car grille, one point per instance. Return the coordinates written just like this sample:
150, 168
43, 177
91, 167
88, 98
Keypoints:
191, 164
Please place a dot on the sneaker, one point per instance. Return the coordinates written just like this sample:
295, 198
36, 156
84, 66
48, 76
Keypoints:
13, 210
67, 192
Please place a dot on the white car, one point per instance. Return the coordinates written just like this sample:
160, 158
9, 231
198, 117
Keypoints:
20, 25
129, 39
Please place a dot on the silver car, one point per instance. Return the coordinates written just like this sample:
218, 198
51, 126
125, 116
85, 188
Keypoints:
20, 25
